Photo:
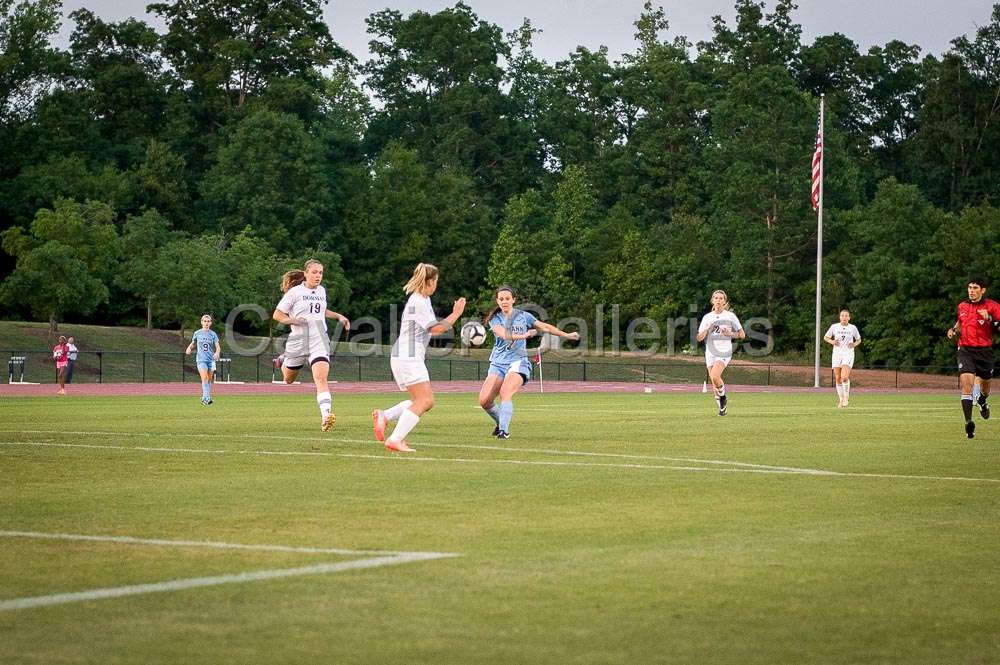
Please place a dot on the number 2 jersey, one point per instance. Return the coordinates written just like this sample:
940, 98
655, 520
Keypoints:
717, 342
306, 304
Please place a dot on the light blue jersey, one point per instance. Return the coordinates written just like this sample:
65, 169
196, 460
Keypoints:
506, 352
205, 341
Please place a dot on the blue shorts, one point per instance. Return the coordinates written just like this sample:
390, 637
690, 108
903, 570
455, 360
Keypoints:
522, 367
207, 365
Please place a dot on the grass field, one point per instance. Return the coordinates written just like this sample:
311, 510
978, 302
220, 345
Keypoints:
608, 529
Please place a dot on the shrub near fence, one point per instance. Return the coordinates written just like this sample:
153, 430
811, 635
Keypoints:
151, 367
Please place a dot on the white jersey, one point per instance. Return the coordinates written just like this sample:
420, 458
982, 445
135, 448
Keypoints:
301, 302
843, 335
414, 329
717, 343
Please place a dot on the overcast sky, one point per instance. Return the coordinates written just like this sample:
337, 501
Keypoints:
566, 24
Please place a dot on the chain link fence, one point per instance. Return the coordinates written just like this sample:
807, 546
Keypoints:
150, 367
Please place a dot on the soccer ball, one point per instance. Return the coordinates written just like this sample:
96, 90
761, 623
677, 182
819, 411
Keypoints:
473, 333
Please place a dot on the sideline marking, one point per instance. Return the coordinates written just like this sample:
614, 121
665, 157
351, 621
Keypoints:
161, 542
464, 446
385, 559
766, 470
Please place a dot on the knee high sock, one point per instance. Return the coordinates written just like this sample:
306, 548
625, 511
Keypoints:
506, 413
396, 411
325, 402
407, 421
967, 406
494, 413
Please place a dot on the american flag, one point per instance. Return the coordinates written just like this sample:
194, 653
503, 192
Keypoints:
817, 170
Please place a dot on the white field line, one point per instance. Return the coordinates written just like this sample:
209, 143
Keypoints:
160, 542
196, 582
393, 458
777, 470
464, 446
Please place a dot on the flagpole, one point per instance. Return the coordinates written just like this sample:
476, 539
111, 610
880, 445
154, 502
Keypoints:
541, 382
819, 239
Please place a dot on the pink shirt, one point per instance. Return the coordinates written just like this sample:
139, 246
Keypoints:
61, 353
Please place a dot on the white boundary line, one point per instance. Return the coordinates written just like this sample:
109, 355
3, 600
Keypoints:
160, 542
765, 470
385, 559
464, 446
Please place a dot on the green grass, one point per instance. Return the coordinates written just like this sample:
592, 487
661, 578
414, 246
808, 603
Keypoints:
635, 552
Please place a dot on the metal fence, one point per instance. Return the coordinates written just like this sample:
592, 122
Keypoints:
150, 367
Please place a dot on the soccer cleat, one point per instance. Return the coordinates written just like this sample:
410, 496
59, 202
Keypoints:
722, 410
723, 403
496, 431
970, 429
398, 446
328, 422
984, 410
378, 424
503, 435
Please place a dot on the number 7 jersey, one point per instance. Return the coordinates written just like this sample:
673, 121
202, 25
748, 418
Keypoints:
301, 302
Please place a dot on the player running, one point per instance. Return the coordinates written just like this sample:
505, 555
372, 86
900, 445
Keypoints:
844, 337
975, 325
718, 329
510, 368
207, 343
416, 328
303, 307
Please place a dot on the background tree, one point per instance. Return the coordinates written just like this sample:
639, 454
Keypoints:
64, 262
141, 273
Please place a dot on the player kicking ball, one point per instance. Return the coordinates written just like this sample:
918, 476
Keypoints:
416, 328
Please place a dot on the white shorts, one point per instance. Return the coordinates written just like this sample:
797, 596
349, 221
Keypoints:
408, 371
310, 344
843, 358
711, 359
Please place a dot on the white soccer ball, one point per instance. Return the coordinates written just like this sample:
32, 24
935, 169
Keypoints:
473, 333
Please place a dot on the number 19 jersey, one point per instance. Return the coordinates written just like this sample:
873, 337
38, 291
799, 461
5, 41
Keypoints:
301, 302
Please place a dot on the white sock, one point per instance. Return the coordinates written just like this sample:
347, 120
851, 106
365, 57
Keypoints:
847, 389
407, 421
840, 390
395, 412
721, 392
324, 401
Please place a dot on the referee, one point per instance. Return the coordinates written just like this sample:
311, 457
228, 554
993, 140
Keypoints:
977, 318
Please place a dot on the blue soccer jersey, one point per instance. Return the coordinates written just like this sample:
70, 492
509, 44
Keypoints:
205, 341
506, 352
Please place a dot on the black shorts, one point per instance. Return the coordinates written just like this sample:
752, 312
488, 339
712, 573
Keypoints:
976, 360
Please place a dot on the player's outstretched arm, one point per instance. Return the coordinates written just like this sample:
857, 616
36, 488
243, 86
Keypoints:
552, 330
445, 324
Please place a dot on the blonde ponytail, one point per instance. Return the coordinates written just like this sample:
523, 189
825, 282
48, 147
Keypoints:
422, 275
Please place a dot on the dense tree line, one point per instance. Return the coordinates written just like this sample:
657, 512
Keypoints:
149, 177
